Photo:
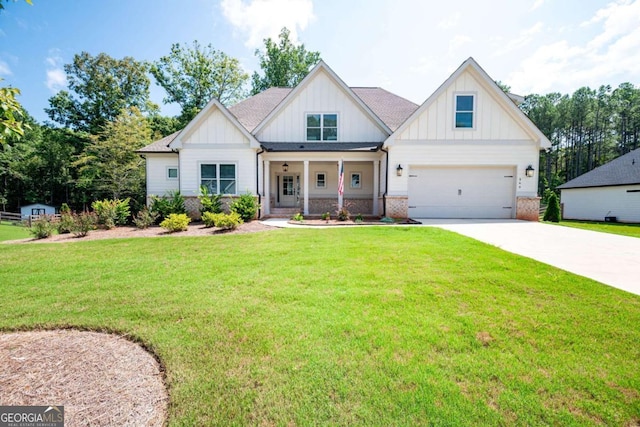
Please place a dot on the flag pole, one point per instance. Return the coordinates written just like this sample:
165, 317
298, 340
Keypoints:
340, 183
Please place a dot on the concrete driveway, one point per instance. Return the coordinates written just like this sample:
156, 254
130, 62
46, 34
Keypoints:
608, 258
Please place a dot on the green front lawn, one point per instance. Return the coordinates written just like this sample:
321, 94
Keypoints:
10, 231
367, 326
631, 230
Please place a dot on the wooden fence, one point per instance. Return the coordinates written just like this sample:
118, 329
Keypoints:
10, 216
17, 217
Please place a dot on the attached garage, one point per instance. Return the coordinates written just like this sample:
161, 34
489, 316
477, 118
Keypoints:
461, 192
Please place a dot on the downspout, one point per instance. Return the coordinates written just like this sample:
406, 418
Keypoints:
258, 182
386, 182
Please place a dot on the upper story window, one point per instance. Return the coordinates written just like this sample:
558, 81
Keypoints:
464, 111
322, 127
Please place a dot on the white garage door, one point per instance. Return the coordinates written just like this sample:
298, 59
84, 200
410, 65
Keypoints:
461, 192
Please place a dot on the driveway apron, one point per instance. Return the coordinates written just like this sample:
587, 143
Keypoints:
608, 258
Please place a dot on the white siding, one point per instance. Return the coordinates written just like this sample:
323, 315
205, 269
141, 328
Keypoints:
492, 121
322, 95
157, 182
597, 202
214, 128
191, 158
500, 153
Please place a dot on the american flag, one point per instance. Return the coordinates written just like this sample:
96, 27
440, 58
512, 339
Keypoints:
341, 180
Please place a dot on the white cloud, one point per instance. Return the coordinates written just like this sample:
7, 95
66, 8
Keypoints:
56, 77
536, 4
457, 42
5, 70
260, 19
525, 37
612, 52
449, 22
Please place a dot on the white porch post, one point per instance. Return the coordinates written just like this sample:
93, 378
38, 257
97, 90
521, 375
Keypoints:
340, 196
306, 187
266, 188
376, 186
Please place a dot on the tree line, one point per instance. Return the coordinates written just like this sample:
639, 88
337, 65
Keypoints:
587, 129
87, 151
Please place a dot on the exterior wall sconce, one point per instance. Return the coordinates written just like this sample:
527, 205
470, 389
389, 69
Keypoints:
529, 171
285, 167
399, 170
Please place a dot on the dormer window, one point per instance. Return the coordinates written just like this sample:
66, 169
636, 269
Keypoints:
322, 127
464, 111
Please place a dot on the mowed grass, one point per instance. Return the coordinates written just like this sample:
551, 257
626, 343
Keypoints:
631, 230
358, 326
10, 231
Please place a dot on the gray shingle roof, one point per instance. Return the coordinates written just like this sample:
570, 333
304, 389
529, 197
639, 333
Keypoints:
625, 170
321, 146
160, 146
392, 109
253, 110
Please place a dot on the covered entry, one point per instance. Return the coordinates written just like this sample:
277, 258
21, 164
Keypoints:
461, 192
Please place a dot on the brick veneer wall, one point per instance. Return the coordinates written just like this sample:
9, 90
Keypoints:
397, 206
528, 208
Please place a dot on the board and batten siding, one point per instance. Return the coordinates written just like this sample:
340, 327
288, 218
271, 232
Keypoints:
158, 183
321, 95
214, 128
595, 203
492, 121
191, 158
473, 154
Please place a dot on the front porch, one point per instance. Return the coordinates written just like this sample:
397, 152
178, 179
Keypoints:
311, 187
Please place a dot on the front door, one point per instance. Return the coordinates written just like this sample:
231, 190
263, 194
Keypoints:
289, 191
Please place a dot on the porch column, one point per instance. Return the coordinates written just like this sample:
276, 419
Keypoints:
376, 186
266, 188
340, 195
306, 187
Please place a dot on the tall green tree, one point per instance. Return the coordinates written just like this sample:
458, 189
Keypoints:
283, 63
109, 166
194, 75
11, 114
100, 87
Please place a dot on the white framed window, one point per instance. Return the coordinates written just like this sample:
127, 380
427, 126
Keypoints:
172, 172
356, 181
321, 180
465, 111
322, 127
219, 178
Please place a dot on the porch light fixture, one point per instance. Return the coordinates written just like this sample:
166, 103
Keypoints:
285, 167
399, 170
529, 171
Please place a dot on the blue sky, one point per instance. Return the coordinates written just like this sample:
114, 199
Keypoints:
408, 47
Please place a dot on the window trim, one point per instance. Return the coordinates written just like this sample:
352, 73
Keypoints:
324, 180
217, 164
173, 178
473, 111
351, 174
322, 126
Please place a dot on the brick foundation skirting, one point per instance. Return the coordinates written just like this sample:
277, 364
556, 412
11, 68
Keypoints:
397, 206
528, 208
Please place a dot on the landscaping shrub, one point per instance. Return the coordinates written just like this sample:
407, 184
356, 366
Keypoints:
245, 206
359, 219
224, 221
210, 202
65, 225
209, 219
298, 217
553, 209
106, 212
123, 211
171, 203
42, 228
326, 216
176, 222
83, 223
145, 218
343, 214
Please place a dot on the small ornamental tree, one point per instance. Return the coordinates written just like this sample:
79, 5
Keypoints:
553, 209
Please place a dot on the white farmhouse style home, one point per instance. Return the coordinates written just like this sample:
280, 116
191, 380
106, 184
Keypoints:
466, 152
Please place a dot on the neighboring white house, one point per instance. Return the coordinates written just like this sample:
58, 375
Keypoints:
37, 209
611, 192
464, 153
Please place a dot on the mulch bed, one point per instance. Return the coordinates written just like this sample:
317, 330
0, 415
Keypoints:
100, 379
